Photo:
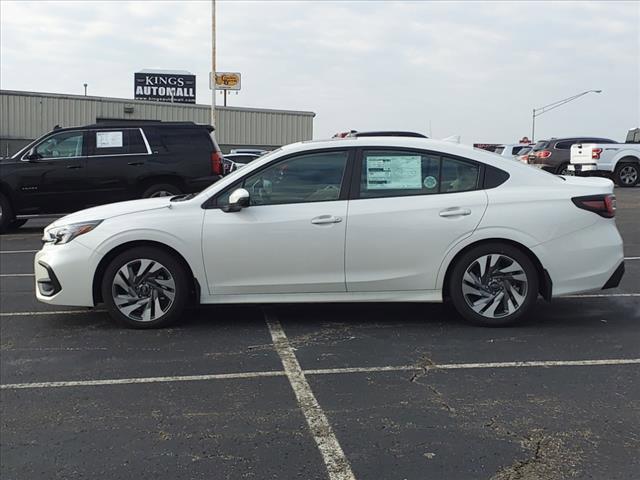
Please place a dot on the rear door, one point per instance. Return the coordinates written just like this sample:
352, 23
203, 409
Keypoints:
410, 208
118, 158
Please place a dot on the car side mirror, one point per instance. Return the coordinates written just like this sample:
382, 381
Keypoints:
32, 155
238, 200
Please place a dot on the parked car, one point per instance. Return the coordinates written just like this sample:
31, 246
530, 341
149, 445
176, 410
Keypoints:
620, 161
233, 161
523, 155
493, 255
73, 168
511, 151
554, 155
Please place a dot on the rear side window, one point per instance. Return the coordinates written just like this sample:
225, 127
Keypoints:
566, 145
118, 142
177, 140
398, 173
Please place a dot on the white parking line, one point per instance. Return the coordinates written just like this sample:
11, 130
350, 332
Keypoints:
52, 312
326, 371
17, 251
17, 274
601, 295
130, 381
334, 458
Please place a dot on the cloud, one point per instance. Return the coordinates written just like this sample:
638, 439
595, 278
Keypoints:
470, 68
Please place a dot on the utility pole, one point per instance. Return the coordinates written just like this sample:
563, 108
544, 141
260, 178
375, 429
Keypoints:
539, 111
213, 64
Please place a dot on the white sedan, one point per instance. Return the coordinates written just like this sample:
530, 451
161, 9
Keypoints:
360, 219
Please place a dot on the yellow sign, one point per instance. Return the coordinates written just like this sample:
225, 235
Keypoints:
227, 81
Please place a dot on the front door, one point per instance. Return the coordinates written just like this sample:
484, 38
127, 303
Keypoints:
291, 237
410, 209
54, 178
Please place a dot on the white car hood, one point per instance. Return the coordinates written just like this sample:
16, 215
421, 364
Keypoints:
113, 210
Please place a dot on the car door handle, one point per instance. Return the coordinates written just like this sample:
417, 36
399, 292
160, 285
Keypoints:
135, 164
72, 167
455, 212
324, 219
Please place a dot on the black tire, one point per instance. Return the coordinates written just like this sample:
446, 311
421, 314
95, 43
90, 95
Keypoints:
563, 169
161, 190
627, 174
17, 224
494, 287
171, 265
6, 214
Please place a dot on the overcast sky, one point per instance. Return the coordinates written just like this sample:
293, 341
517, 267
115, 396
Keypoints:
468, 68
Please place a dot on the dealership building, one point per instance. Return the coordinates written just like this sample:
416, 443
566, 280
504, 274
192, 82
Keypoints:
25, 116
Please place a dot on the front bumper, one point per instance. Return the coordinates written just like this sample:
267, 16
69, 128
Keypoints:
64, 274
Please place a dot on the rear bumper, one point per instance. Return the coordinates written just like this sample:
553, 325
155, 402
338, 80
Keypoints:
582, 167
586, 260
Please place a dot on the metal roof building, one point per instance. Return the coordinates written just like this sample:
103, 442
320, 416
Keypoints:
24, 116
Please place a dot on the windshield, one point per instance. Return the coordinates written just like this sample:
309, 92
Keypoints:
28, 147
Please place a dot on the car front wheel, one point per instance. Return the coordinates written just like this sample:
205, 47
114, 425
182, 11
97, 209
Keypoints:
145, 287
493, 285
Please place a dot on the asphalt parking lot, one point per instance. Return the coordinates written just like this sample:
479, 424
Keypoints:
384, 391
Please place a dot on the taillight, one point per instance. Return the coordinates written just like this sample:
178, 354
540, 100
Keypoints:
595, 153
216, 163
603, 205
543, 154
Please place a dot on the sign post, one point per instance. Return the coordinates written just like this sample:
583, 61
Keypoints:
226, 81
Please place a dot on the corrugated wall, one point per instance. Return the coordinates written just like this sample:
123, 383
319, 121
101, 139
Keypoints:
27, 115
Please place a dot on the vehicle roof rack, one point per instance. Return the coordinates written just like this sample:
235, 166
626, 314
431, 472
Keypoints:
381, 133
388, 133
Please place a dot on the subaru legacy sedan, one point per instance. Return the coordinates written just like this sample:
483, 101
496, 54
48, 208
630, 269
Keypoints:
366, 218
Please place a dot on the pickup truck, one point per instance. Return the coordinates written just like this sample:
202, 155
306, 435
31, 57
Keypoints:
619, 161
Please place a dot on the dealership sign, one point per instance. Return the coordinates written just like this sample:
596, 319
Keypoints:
176, 87
227, 81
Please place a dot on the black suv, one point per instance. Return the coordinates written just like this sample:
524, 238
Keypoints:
554, 155
70, 169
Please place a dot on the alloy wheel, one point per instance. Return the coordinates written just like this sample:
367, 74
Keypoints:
143, 290
494, 285
162, 193
628, 175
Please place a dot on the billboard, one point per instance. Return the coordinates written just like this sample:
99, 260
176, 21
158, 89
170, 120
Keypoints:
176, 87
227, 81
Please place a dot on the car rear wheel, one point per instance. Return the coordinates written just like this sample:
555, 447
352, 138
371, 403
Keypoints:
564, 170
161, 190
493, 285
145, 287
6, 214
627, 174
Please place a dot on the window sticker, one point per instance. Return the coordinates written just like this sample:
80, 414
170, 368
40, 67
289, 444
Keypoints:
430, 182
108, 139
389, 172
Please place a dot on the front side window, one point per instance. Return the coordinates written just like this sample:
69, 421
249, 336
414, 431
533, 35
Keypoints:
315, 177
397, 174
62, 145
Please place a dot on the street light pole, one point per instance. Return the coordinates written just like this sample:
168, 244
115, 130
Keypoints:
85, 89
539, 111
213, 64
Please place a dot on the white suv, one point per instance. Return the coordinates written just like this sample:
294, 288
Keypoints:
364, 218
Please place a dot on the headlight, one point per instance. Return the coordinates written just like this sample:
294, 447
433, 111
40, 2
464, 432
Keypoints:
66, 233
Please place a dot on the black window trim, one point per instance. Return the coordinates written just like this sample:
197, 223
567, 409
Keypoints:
345, 187
357, 171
